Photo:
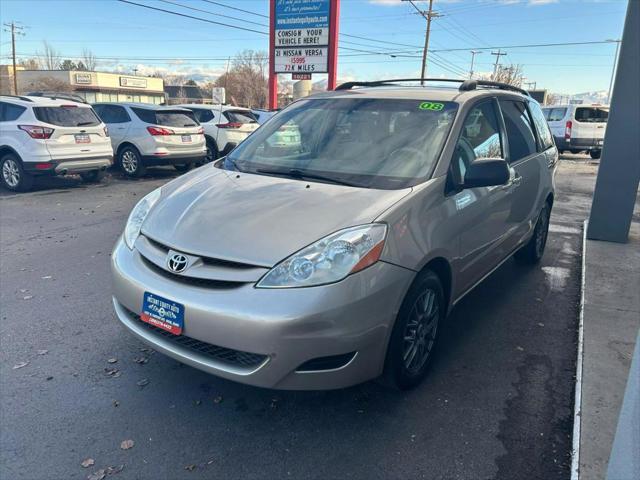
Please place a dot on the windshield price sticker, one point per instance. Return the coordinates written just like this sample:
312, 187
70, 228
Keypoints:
434, 106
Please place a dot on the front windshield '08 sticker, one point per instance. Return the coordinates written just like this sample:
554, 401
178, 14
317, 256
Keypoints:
431, 106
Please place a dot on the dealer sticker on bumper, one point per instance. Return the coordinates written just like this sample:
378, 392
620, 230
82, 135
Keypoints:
162, 313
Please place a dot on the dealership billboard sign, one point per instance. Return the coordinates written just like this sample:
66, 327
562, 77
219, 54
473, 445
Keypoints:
301, 36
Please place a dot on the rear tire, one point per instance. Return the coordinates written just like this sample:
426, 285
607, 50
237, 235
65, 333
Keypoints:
130, 162
212, 151
414, 335
12, 175
184, 167
595, 154
93, 176
532, 252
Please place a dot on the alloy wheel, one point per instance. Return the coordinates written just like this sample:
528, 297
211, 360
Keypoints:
420, 332
129, 161
11, 173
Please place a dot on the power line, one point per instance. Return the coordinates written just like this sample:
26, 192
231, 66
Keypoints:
236, 8
212, 13
193, 18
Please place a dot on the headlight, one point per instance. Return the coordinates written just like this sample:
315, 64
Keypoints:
329, 260
137, 216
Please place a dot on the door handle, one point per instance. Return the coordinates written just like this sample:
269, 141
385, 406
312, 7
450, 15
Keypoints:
517, 180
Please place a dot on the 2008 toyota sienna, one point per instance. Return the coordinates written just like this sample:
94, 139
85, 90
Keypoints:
333, 259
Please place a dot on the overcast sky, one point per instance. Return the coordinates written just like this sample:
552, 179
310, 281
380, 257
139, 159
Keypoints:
126, 36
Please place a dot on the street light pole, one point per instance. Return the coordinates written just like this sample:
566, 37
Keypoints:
473, 56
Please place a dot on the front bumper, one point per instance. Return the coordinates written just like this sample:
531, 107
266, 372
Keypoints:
287, 326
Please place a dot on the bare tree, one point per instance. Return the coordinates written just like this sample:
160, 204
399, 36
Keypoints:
246, 81
50, 57
88, 59
511, 75
30, 64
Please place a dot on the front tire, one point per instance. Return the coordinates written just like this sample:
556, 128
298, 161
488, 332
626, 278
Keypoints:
595, 154
130, 162
414, 334
12, 175
532, 252
93, 176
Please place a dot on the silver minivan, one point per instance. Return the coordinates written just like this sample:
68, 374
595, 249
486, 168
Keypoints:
333, 260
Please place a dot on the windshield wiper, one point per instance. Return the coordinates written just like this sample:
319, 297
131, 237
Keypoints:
301, 175
84, 124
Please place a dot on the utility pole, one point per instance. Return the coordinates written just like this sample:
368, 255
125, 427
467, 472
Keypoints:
15, 30
473, 56
498, 54
531, 83
428, 15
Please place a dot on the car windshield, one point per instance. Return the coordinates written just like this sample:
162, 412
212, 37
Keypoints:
67, 116
375, 143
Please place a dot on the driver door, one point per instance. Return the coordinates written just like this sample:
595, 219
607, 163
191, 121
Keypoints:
483, 212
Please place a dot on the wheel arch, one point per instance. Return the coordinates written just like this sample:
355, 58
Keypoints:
442, 268
5, 149
124, 144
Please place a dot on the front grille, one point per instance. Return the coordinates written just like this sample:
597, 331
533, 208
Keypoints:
217, 262
195, 281
225, 355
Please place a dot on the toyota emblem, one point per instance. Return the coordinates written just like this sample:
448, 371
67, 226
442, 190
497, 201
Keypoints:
177, 262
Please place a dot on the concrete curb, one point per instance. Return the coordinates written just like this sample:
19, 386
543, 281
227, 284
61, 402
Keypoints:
577, 403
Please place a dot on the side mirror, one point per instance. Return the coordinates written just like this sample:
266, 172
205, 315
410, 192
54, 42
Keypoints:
486, 172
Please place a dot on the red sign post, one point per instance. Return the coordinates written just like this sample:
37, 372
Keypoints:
303, 39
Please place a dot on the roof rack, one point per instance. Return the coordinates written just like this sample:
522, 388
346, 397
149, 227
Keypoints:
59, 96
466, 85
19, 97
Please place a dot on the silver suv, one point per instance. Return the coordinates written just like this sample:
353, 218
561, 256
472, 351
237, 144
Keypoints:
335, 258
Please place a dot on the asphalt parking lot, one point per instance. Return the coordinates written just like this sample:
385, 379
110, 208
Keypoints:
497, 403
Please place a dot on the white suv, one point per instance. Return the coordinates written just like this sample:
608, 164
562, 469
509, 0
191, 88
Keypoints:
145, 135
50, 136
578, 128
225, 126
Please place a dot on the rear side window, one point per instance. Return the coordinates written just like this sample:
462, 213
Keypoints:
240, 116
555, 114
112, 113
544, 134
167, 118
591, 115
522, 141
10, 112
203, 116
67, 116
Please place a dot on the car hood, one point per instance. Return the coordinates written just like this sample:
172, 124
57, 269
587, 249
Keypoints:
256, 219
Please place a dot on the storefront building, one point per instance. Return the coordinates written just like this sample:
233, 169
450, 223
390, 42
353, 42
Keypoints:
94, 86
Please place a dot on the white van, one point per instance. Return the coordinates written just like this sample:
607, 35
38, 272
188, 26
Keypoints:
578, 128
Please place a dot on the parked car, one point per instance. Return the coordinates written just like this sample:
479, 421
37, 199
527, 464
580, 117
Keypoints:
578, 128
263, 115
335, 263
145, 135
225, 126
50, 136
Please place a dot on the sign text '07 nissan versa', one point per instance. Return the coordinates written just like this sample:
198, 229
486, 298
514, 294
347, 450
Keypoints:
332, 260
